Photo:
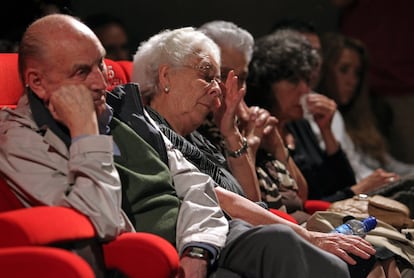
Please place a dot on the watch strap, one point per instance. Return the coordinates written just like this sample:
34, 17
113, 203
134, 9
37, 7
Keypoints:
197, 252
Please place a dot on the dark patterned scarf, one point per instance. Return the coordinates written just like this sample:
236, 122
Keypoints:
210, 163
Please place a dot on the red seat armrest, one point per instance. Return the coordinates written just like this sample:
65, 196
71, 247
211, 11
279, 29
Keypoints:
42, 226
141, 255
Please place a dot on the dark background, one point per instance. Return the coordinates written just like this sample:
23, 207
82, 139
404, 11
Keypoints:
143, 18
147, 17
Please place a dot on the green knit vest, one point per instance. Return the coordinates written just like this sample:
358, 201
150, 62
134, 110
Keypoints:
149, 198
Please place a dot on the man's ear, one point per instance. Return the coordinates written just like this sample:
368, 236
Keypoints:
164, 78
34, 80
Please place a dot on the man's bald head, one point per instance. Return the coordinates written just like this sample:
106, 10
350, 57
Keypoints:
56, 31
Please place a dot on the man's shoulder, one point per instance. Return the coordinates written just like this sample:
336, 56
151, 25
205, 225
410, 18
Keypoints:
16, 119
21, 115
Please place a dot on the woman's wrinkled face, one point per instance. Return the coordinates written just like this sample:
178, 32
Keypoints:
287, 97
346, 72
195, 88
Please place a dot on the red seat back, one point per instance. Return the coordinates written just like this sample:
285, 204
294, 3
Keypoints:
127, 67
116, 74
11, 88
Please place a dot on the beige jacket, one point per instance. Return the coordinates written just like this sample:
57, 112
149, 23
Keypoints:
42, 171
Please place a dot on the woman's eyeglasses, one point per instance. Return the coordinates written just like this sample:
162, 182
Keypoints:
206, 73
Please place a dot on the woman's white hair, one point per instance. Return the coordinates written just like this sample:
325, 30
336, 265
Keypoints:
169, 47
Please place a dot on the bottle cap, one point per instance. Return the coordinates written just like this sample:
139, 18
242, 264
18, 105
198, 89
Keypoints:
370, 223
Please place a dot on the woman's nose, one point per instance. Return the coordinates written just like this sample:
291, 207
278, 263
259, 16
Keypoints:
216, 87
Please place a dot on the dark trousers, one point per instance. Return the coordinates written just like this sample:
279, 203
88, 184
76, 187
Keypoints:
274, 251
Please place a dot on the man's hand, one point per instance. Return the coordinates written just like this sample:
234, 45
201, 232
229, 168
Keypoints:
192, 268
342, 245
73, 106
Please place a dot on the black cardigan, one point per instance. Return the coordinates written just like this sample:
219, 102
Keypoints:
329, 177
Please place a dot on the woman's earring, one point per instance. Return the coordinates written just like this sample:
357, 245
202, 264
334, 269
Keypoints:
166, 89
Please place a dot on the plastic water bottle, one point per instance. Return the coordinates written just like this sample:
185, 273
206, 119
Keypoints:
357, 227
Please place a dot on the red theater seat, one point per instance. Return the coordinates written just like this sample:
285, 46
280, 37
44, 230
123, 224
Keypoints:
10, 85
127, 67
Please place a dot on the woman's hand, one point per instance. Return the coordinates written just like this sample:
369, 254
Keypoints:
322, 108
272, 141
242, 166
225, 116
376, 180
260, 129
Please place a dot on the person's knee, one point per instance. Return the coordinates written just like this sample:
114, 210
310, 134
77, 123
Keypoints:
278, 239
278, 232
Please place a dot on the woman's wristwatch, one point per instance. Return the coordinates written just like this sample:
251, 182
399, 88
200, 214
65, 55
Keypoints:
240, 151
